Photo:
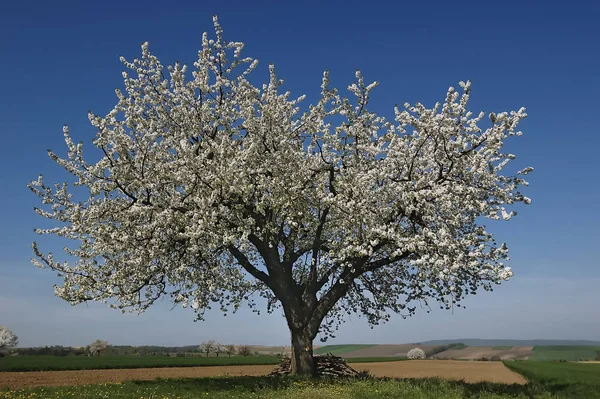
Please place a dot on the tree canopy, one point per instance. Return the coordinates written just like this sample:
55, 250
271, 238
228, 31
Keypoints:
213, 190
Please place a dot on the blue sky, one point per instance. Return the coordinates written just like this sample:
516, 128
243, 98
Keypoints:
59, 59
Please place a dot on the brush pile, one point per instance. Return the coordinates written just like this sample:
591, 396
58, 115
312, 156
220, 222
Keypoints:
327, 366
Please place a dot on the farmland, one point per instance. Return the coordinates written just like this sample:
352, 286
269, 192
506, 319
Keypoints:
468, 371
460, 351
55, 363
564, 352
339, 350
546, 380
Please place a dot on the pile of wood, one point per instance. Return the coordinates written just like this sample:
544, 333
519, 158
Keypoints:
327, 366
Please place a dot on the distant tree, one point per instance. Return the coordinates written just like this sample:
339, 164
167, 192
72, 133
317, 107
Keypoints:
230, 350
209, 188
218, 349
244, 350
8, 339
207, 347
416, 353
98, 347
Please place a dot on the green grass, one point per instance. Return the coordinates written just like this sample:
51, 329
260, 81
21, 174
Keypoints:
42, 363
547, 380
502, 348
374, 359
283, 388
566, 380
340, 350
545, 353
49, 363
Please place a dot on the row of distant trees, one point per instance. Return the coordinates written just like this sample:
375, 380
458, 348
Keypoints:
8, 340
101, 347
213, 347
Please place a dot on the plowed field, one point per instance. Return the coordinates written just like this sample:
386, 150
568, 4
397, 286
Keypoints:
468, 371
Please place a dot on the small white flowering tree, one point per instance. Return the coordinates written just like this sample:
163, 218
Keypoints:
8, 339
97, 347
416, 353
230, 350
219, 349
211, 188
208, 347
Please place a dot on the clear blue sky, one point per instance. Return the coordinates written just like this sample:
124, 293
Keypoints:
59, 59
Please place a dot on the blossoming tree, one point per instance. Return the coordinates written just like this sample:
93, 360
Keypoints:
416, 353
98, 347
210, 189
8, 339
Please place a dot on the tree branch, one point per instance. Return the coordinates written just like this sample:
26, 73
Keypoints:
248, 266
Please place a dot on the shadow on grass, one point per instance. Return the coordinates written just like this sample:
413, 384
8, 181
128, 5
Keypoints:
253, 384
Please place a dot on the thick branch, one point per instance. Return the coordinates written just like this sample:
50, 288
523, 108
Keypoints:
344, 283
248, 266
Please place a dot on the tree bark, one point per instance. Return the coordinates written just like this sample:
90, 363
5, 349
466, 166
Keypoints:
302, 362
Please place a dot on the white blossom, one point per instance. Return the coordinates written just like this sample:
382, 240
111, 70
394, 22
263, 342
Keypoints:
97, 347
211, 188
8, 339
416, 353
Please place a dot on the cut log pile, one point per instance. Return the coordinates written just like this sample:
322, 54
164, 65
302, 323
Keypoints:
327, 366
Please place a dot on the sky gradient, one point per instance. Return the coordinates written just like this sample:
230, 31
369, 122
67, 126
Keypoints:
60, 59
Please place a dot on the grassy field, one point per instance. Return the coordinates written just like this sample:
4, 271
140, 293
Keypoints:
558, 380
286, 388
56, 363
501, 348
48, 363
569, 353
547, 380
338, 350
375, 359
566, 380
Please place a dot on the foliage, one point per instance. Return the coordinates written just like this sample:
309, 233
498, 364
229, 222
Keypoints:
416, 353
8, 339
46, 363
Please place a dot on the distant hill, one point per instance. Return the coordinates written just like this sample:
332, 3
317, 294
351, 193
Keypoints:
512, 342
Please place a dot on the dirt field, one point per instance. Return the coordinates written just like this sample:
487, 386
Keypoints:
469, 371
477, 352
386, 350
447, 369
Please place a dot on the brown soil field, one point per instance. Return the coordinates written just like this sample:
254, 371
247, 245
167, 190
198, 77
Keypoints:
448, 369
16, 380
477, 352
386, 350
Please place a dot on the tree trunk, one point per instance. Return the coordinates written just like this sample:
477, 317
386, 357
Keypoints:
302, 354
